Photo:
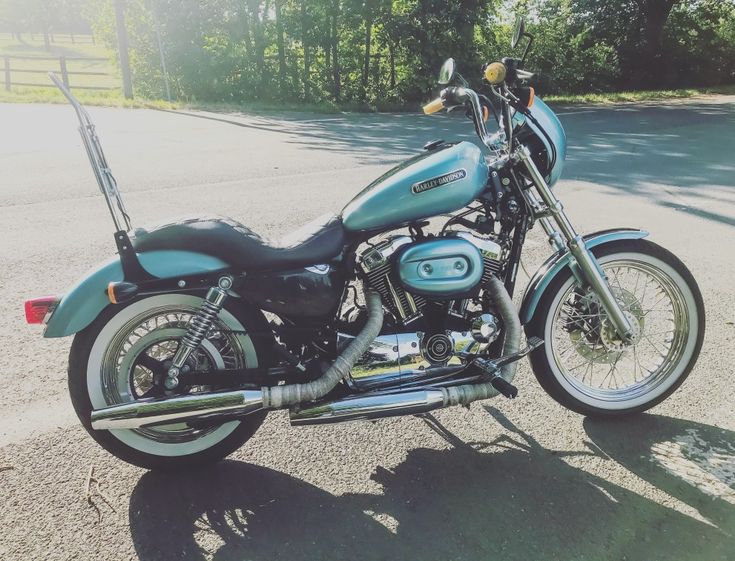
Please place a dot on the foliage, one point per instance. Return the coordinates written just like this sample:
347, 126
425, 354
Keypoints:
386, 52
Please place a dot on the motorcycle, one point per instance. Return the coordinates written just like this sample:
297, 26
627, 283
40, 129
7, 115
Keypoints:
186, 339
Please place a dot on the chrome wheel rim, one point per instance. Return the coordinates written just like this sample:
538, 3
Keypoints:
127, 376
586, 351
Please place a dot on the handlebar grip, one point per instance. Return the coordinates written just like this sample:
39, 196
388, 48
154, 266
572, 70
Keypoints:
434, 106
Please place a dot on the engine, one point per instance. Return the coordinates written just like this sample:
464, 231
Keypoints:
432, 288
409, 275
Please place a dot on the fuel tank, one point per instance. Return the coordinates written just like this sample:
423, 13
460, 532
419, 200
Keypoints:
440, 180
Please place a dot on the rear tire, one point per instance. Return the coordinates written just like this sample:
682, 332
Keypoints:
553, 367
92, 379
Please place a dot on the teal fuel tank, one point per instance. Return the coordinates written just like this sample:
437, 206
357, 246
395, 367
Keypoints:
440, 180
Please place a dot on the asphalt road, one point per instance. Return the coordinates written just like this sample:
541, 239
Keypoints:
503, 480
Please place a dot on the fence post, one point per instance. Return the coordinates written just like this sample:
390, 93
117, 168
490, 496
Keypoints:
7, 73
64, 73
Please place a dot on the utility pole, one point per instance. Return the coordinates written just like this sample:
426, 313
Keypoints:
122, 45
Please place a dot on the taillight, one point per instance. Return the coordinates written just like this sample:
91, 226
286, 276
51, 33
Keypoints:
39, 309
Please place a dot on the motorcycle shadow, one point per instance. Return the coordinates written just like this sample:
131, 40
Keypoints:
509, 499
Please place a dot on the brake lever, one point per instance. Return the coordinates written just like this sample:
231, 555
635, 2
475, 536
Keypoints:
524, 75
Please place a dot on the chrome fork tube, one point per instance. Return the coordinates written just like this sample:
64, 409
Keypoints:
588, 266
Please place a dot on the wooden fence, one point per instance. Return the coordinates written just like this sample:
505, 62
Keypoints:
73, 38
19, 71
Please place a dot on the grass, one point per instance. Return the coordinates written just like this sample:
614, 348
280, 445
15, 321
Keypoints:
113, 98
637, 96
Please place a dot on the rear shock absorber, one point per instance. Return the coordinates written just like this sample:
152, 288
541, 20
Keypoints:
197, 329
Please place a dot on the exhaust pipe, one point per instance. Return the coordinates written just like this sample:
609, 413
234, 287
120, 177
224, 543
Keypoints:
204, 406
368, 407
223, 405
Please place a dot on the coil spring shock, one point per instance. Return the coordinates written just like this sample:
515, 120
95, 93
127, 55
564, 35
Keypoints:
197, 329
202, 322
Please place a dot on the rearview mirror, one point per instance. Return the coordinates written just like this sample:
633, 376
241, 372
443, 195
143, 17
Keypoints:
446, 73
518, 31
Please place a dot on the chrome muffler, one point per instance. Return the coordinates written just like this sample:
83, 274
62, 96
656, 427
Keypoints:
366, 407
202, 407
207, 406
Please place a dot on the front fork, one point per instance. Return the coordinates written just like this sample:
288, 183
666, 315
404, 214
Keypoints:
564, 237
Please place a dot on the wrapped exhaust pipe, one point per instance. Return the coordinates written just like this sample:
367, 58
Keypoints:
466, 394
277, 397
390, 404
215, 405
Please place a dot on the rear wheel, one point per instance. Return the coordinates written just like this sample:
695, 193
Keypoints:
585, 366
122, 355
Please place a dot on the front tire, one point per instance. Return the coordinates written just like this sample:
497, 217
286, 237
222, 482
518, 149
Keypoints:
583, 365
115, 359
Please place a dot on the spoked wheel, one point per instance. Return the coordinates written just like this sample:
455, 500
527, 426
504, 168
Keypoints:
124, 356
586, 366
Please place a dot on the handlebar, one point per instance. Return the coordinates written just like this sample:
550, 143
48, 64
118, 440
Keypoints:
460, 96
504, 77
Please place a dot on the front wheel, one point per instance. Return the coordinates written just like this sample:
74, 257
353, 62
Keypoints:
122, 356
585, 366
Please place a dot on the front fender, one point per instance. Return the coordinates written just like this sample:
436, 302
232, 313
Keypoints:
85, 300
559, 261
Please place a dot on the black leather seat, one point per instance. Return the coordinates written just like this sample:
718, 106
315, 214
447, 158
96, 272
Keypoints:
316, 242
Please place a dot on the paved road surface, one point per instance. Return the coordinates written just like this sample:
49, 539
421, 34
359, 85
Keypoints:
511, 480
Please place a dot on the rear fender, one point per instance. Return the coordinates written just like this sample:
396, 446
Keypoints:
558, 262
85, 300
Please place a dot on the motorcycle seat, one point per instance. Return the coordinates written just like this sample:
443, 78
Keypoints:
240, 247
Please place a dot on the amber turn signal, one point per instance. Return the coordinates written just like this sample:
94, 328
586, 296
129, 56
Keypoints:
495, 73
121, 292
526, 96
434, 106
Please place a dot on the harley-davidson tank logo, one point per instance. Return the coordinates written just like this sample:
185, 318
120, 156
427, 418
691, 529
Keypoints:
423, 186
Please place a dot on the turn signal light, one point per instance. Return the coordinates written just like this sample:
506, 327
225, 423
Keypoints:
121, 292
39, 309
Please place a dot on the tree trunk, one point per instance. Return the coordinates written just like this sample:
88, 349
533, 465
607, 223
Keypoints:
327, 45
392, 57
305, 45
468, 15
280, 43
368, 41
335, 50
246, 33
654, 15
259, 41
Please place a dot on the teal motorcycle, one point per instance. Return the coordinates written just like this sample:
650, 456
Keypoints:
399, 305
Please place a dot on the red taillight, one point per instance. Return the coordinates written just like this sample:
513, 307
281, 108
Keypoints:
39, 308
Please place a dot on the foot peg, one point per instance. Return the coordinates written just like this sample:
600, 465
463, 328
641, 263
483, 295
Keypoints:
492, 367
505, 388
